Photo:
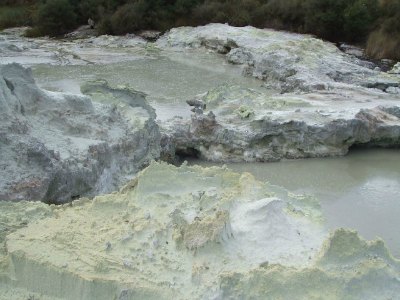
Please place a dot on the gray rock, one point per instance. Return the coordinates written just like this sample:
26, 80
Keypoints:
395, 69
247, 125
286, 61
57, 147
83, 32
196, 103
352, 50
150, 35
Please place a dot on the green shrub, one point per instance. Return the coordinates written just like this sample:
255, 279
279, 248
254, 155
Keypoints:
90, 9
384, 41
325, 18
287, 14
129, 18
14, 16
383, 45
210, 12
32, 32
359, 19
185, 7
375, 21
390, 16
56, 17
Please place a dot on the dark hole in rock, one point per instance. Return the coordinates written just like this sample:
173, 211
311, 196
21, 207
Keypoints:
189, 152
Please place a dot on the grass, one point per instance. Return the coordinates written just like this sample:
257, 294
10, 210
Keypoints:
14, 16
383, 45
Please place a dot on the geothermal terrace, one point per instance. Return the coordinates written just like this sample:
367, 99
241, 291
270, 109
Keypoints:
214, 163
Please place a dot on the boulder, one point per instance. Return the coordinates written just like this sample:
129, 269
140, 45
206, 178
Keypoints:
150, 35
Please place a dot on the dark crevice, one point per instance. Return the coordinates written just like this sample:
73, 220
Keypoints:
189, 152
9, 85
388, 144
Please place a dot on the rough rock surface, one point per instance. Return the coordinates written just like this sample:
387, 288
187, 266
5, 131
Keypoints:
56, 147
328, 100
77, 48
395, 69
246, 125
191, 233
287, 61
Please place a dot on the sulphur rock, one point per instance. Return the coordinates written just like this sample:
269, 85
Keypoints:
242, 124
347, 267
191, 233
285, 61
169, 235
56, 147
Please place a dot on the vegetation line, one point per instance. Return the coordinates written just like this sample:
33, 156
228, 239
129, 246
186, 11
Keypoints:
374, 24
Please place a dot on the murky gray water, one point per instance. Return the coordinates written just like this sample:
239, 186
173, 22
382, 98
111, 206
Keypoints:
168, 81
360, 191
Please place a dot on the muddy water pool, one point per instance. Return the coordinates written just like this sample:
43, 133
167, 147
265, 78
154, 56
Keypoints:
360, 191
168, 80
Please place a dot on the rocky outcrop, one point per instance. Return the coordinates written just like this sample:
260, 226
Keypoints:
286, 61
81, 47
246, 125
191, 233
345, 265
56, 147
327, 100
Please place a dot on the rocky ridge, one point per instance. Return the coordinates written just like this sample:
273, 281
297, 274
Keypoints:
187, 232
192, 233
328, 100
286, 61
56, 147
242, 124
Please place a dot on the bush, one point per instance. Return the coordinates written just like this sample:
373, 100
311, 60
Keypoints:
14, 16
287, 14
384, 41
129, 18
390, 16
359, 19
56, 17
90, 9
210, 12
383, 45
375, 21
325, 18
339, 20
